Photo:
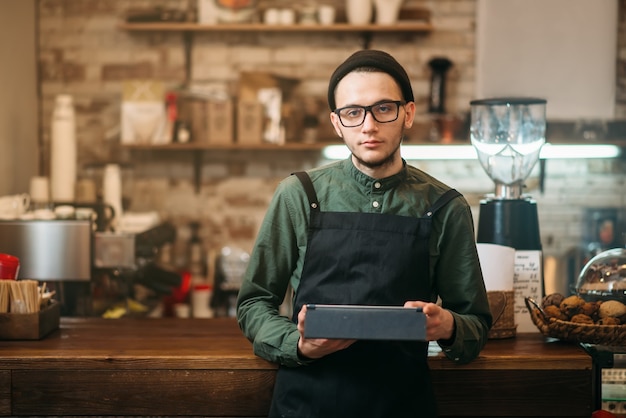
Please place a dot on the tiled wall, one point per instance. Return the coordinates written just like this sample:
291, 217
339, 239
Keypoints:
81, 52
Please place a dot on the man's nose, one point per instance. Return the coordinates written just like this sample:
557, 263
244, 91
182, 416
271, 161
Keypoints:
369, 122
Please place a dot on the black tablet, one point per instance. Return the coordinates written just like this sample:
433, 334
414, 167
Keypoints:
363, 322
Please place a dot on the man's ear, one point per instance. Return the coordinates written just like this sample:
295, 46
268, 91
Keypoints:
334, 119
409, 114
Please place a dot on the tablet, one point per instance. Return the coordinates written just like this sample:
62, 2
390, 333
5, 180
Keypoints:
363, 322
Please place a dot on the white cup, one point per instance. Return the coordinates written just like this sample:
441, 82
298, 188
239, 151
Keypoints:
86, 214
287, 17
65, 212
326, 14
40, 189
200, 302
14, 206
271, 16
182, 310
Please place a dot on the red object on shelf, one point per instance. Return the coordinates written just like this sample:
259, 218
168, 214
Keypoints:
202, 287
172, 111
179, 294
602, 414
9, 266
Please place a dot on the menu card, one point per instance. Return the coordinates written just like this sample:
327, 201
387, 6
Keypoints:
526, 283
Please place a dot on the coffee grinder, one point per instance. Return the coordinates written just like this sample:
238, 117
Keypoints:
508, 134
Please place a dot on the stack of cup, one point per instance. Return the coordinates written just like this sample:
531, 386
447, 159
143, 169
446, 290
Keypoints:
112, 185
39, 192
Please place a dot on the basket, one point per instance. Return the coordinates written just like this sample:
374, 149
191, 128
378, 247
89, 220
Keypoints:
611, 335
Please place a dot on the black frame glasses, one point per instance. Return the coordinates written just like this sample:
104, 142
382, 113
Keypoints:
382, 112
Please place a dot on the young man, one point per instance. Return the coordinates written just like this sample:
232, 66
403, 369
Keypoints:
369, 230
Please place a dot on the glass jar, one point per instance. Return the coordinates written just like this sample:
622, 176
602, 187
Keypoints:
604, 277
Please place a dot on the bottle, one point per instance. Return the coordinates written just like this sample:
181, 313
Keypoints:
63, 150
197, 264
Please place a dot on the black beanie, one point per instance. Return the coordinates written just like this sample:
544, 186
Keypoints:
371, 58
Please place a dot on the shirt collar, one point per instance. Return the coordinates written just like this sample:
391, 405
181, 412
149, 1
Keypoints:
367, 181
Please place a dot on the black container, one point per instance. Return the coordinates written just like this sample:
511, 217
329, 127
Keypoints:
509, 222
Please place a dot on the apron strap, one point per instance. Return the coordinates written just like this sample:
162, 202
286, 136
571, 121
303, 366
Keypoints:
441, 202
308, 188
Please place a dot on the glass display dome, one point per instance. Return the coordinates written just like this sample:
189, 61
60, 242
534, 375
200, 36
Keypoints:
604, 277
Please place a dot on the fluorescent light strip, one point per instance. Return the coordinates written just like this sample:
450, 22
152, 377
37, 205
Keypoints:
467, 152
552, 151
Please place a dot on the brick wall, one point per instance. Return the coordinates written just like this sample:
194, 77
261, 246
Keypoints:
81, 52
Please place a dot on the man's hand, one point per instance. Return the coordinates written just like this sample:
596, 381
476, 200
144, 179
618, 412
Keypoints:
315, 348
439, 321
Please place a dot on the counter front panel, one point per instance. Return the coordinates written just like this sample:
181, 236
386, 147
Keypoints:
205, 367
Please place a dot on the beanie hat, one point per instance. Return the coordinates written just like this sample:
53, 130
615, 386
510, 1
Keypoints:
375, 59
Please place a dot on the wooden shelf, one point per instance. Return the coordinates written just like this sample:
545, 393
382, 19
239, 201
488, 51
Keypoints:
411, 21
188, 29
200, 149
401, 26
194, 146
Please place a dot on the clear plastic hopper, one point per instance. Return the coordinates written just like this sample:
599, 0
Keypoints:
508, 134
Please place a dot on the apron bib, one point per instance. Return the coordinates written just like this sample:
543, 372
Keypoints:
362, 259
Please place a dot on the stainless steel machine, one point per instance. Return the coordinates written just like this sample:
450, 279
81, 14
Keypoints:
88, 268
57, 252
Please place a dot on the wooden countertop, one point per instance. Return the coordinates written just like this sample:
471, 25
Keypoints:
218, 343
156, 343
137, 366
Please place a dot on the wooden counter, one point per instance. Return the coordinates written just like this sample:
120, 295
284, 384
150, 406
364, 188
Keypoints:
205, 367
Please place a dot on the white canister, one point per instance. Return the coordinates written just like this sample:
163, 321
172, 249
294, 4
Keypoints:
287, 16
112, 190
271, 16
387, 11
63, 150
201, 301
359, 12
207, 12
326, 14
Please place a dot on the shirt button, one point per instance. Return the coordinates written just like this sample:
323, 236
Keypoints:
377, 185
375, 204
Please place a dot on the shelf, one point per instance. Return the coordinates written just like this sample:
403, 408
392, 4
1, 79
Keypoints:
317, 146
202, 147
401, 26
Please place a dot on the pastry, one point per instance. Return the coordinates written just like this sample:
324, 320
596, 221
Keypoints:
582, 319
612, 308
572, 305
552, 299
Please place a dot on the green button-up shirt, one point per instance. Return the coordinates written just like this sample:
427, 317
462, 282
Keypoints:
278, 255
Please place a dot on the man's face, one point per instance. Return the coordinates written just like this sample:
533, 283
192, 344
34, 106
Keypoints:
375, 146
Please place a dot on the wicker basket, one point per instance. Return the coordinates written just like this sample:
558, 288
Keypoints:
611, 335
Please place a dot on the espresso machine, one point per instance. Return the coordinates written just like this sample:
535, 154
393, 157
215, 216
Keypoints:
507, 134
88, 265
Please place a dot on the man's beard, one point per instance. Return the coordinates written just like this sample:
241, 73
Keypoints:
389, 160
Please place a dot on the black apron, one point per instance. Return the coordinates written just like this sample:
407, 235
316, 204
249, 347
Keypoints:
362, 259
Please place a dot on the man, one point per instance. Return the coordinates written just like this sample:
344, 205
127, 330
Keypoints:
369, 230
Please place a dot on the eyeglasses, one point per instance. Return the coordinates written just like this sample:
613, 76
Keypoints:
383, 112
